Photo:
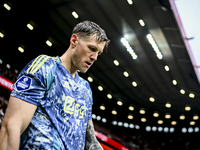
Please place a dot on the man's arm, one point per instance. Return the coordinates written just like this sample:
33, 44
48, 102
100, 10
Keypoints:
91, 142
18, 116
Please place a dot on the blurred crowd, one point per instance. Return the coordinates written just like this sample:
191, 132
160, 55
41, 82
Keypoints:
8, 73
4, 94
142, 140
3, 106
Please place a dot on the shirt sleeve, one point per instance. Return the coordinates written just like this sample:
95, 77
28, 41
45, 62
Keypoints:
31, 85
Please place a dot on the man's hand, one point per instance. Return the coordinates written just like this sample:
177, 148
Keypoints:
91, 142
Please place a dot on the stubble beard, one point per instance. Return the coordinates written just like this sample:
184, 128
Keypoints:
78, 65
83, 70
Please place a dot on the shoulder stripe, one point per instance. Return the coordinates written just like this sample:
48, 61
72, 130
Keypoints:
41, 63
37, 63
32, 64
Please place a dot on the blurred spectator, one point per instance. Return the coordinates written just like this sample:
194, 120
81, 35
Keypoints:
1, 116
8, 73
11, 75
3, 106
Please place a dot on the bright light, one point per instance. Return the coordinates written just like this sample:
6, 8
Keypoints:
182, 117
98, 117
130, 117
104, 120
49, 43
114, 112
196, 129
129, 48
173, 122
182, 91
29, 26
171, 130
155, 114
102, 107
143, 119
137, 126
168, 105
131, 108
126, 74
174, 82
142, 111
167, 116
100, 88
192, 123
1, 35
191, 95
130, 2
1, 61
154, 45
20, 49
167, 68
126, 125
195, 117
160, 122
120, 123
75, 14
141, 22
93, 116
109, 96
8, 66
134, 83
131, 125
148, 128
166, 129
114, 122
159, 55
184, 130
90, 79
187, 108
160, 129
116, 62
152, 99
190, 130
154, 128
7, 6
119, 103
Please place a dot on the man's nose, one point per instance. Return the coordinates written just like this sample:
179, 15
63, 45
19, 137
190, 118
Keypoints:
94, 56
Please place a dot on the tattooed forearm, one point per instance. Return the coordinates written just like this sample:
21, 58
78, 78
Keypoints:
91, 142
95, 147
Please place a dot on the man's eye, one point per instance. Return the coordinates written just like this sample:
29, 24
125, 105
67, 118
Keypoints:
92, 49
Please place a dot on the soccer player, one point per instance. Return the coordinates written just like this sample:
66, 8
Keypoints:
52, 102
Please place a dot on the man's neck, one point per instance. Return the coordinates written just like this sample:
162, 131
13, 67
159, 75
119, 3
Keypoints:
66, 62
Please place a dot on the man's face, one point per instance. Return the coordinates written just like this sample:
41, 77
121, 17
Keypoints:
86, 52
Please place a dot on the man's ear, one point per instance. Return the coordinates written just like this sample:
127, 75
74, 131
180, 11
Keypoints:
74, 40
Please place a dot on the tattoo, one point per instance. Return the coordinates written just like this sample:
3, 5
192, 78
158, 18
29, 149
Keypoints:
95, 147
91, 142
